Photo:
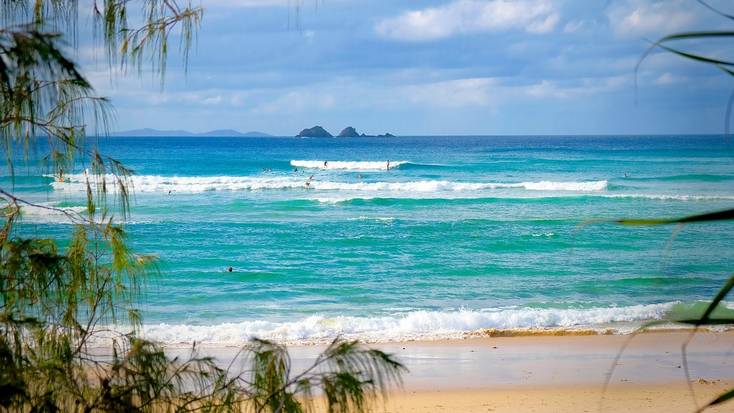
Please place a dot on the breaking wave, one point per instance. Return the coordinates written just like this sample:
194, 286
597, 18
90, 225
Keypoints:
352, 166
48, 213
156, 183
425, 325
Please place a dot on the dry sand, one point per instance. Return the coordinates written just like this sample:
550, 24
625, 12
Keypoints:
554, 374
565, 374
667, 398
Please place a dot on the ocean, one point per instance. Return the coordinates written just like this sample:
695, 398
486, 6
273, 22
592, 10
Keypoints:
459, 234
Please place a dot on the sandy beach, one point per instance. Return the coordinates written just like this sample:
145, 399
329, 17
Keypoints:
673, 397
553, 373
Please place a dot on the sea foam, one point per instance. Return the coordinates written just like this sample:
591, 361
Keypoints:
49, 213
348, 165
425, 325
156, 183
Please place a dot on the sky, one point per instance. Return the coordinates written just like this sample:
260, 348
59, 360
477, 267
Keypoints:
433, 67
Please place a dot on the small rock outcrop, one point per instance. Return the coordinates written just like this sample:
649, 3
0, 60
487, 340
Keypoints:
315, 132
349, 132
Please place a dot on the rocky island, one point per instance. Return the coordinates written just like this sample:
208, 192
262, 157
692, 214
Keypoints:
315, 132
348, 132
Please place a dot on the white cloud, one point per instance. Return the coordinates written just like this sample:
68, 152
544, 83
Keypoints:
450, 93
296, 101
581, 87
470, 16
636, 18
667, 78
460, 93
574, 26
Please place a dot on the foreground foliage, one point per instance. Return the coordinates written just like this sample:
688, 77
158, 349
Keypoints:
56, 301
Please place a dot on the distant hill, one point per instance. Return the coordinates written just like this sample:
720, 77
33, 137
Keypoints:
214, 133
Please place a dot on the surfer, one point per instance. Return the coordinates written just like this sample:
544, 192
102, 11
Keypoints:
326, 164
388, 165
308, 182
229, 269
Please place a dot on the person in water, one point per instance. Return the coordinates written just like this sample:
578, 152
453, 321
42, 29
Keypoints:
308, 182
326, 164
388, 165
229, 269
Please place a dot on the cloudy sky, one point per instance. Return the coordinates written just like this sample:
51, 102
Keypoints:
432, 67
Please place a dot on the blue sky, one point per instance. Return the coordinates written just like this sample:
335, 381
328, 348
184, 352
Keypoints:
431, 67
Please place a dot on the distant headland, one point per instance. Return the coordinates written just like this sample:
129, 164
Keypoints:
348, 132
214, 133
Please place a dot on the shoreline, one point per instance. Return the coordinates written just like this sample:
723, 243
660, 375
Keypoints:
460, 337
423, 325
651, 358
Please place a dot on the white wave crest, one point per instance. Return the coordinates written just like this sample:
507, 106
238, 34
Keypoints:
666, 197
155, 183
48, 213
347, 165
414, 325
566, 186
543, 234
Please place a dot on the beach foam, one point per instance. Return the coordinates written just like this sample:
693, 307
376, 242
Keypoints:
49, 213
425, 325
156, 183
348, 165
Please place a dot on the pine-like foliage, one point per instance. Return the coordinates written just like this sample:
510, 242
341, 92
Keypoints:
55, 302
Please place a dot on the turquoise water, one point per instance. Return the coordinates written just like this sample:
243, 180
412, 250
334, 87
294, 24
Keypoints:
461, 233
